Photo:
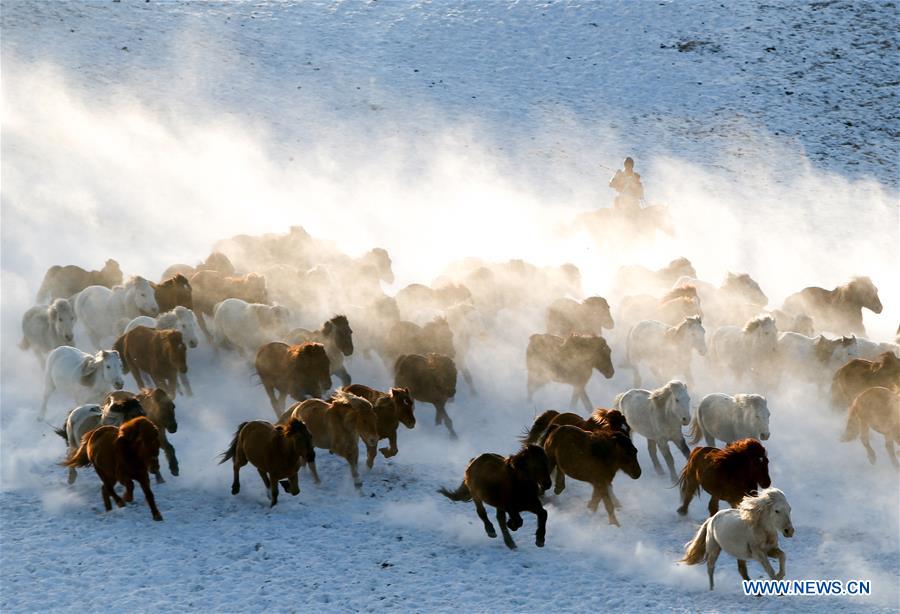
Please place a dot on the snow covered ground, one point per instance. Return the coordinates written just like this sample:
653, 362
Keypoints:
146, 131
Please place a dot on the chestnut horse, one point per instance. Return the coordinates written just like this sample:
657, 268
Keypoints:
593, 457
600, 418
121, 454
512, 484
391, 409
730, 474
277, 452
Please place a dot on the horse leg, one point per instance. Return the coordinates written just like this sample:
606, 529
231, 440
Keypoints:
482, 513
560, 482
270, 392
344, 376
864, 438
314, 472
136, 373
541, 514
442, 411
507, 538
239, 461
73, 475
531, 386
682, 445
607, 503
201, 322
778, 554
391, 450
764, 561
594, 501
186, 384
264, 476
651, 448
272, 483
169, 449
353, 459
636, 375
712, 553
670, 462
742, 569
586, 400
467, 377
616, 503
891, 453
144, 481
713, 505
107, 504
128, 497
49, 388
515, 521
371, 451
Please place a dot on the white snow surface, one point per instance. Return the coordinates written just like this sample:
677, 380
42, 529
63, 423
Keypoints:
145, 131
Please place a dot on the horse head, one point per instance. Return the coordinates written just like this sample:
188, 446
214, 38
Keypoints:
339, 329
62, 319
598, 311
746, 288
532, 463
626, 455
187, 325
756, 459
175, 349
163, 408
768, 509
691, 328
865, 293
109, 364
143, 296
755, 411
141, 436
763, 334
404, 404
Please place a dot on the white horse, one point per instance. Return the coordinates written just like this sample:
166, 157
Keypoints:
665, 349
736, 300
815, 359
82, 377
46, 327
753, 348
86, 418
728, 418
658, 415
748, 532
100, 309
870, 350
246, 326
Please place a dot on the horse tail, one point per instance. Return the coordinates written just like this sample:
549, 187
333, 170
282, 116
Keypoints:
854, 424
536, 434
695, 550
61, 431
689, 481
617, 402
460, 494
696, 429
80, 457
232, 448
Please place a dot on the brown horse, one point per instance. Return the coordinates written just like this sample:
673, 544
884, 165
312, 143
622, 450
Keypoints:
430, 379
838, 310
300, 371
589, 317
876, 408
277, 452
161, 354
729, 474
391, 409
593, 457
570, 360
160, 409
600, 419
512, 484
337, 337
121, 454
860, 374
173, 292
337, 425
65, 281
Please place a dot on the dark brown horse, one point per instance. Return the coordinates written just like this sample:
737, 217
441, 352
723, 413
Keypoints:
160, 409
277, 452
172, 292
121, 454
838, 310
570, 360
391, 409
512, 484
729, 474
600, 419
593, 457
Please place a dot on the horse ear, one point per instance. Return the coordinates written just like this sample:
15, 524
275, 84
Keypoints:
89, 366
327, 327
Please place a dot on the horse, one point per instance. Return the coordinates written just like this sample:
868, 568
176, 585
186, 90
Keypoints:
337, 337
300, 371
278, 452
160, 410
666, 349
173, 292
752, 349
210, 287
606, 419
67, 281
429, 379
181, 319
121, 454
570, 360
859, 374
728, 418
511, 484
100, 309
85, 418
405, 337
736, 300
671, 308
83, 377
749, 532
645, 280
813, 359
593, 457
876, 408
160, 354
46, 327
658, 415
247, 326
838, 310
336, 425
589, 317
729, 474
391, 409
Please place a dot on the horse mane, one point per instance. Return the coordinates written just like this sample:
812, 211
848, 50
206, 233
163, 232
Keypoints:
687, 322
753, 509
741, 451
342, 397
339, 320
295, 426
661, 394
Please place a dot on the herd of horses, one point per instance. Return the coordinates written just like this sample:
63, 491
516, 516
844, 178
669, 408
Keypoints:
249, 296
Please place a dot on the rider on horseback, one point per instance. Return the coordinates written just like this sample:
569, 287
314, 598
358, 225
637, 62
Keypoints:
628, 185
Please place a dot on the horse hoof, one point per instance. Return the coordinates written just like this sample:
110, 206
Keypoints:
235, 490
539, 543
174, 471
511, 545
157, 517
492, 534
